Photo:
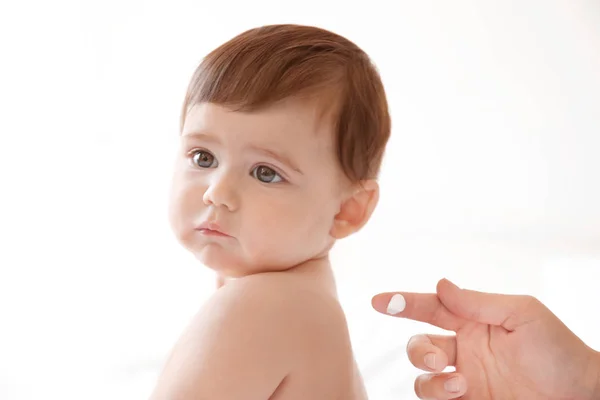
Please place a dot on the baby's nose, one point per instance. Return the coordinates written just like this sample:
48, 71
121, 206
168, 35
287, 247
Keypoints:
222, 192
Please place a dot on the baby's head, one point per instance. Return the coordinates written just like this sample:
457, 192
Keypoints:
283, 130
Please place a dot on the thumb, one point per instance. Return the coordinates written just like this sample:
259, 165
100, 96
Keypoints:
508, 311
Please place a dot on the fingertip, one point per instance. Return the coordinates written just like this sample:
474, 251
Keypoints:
441, 362
456, 384
427, 356
440, 386
389, 303
445, 284
379, 303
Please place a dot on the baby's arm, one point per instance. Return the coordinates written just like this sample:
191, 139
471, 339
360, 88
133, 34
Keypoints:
239, 346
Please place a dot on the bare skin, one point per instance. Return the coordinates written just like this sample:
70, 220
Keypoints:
506, 347
306, 342
325, 368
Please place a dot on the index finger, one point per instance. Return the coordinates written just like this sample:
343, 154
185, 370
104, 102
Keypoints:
423, 307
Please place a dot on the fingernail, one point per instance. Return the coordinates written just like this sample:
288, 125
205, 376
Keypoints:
396, 304
451, 385
430, 360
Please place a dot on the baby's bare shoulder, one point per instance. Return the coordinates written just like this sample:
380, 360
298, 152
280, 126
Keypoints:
280, 296
309, 317
274, 301
245, 324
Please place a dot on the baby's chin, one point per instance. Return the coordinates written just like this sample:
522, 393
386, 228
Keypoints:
227, 265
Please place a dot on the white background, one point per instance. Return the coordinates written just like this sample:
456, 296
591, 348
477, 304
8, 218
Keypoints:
491, 176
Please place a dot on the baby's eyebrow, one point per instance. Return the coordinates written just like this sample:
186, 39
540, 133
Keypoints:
282, 158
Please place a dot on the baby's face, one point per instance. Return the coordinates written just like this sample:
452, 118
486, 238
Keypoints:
268, 180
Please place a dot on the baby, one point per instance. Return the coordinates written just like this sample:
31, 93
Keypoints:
283, 130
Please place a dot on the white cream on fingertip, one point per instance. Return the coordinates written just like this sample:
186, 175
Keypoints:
396, 305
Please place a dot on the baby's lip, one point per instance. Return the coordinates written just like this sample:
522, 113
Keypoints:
212, 228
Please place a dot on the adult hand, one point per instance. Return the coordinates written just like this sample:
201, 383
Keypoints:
505, 347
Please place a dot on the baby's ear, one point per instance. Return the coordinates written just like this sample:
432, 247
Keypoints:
356, 209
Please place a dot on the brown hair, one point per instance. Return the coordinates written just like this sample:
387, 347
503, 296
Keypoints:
271, 63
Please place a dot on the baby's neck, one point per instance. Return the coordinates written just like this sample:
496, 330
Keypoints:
318, 271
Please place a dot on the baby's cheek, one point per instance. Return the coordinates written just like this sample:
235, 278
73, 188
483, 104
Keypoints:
270, 232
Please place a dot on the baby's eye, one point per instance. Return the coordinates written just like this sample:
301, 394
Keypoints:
266, 174
203, 159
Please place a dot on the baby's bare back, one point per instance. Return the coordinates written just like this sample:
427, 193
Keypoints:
318, 384
323, 363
